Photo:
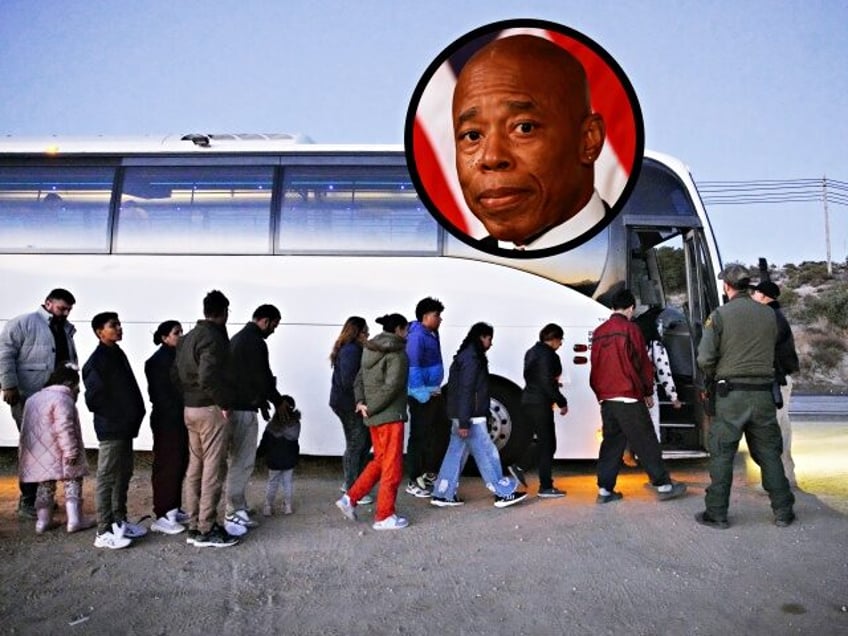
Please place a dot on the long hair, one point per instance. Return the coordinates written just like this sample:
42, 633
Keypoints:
351, 330
477, 331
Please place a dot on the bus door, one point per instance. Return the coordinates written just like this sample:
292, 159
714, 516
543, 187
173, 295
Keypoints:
671, 277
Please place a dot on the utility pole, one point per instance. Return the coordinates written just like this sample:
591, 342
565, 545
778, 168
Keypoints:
826, 226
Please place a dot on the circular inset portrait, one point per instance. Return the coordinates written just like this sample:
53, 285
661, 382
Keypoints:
524, 138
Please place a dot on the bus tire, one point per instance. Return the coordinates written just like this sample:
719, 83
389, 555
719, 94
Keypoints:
507, 427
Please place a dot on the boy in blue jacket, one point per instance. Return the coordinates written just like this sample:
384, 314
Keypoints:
426, 373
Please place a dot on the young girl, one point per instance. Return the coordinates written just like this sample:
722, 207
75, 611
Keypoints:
51, 449
280, 447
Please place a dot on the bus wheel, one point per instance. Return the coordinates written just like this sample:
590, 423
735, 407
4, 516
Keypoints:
506, 422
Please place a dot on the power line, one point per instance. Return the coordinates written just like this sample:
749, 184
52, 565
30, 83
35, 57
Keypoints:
771, 191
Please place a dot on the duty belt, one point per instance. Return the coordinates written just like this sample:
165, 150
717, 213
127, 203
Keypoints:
742, 386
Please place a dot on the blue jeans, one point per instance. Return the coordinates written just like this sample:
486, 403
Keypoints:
480, 446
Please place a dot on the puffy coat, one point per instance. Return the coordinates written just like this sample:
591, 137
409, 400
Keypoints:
426, 370
468, 386
381, 381
50, 432
28, 352
280, 447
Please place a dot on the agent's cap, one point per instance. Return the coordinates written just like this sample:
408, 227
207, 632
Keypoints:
768, 288
736, 275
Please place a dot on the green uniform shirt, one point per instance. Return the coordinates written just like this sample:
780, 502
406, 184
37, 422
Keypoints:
738, 341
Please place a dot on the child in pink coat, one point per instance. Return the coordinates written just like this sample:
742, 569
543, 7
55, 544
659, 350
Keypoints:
51, 449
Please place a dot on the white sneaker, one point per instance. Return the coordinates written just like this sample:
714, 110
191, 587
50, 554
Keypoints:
113, 540
166, 526
427, 480
242, 518
234, 529
367, 500
412, 488
287, 508
132, 530
347, 508
391, 523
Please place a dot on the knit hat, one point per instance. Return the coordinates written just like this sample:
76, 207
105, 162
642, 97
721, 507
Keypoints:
768, 288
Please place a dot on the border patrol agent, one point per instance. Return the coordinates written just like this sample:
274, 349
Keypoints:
736, 352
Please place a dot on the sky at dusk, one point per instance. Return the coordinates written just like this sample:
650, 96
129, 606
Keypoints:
738, 91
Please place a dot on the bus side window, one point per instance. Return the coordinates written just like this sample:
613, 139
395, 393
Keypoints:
372, 210
55, 209
196, 210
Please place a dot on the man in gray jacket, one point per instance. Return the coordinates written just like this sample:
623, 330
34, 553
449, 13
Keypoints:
32, 346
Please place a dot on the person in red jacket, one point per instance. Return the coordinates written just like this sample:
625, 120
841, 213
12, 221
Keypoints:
622, 378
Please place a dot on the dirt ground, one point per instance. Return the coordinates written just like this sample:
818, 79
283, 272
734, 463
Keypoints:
564, 566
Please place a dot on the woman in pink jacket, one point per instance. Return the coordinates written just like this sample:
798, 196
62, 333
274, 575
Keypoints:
51, 449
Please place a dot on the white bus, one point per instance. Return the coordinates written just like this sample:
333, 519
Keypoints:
146, 227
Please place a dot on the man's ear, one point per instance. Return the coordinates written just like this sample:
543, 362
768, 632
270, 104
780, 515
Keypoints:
592, 135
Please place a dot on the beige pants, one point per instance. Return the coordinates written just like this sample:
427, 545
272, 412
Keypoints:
208, 441
786, 432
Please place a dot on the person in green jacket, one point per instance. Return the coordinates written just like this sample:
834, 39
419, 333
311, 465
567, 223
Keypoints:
380, 393
736, 354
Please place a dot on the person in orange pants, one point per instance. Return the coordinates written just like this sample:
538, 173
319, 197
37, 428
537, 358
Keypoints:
380, 392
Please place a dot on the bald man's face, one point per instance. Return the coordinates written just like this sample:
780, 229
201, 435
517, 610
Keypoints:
520, 152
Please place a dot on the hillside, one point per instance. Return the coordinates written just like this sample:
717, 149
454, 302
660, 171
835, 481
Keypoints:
816, 306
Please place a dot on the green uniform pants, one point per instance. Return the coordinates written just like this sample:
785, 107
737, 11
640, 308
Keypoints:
751, 413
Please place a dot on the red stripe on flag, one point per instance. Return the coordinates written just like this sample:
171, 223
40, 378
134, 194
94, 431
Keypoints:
430, 173
609, 98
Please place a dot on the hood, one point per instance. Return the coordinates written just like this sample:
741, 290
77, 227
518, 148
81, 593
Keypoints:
377, 348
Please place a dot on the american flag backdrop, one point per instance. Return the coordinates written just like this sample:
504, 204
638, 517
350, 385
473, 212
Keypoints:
430, 129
